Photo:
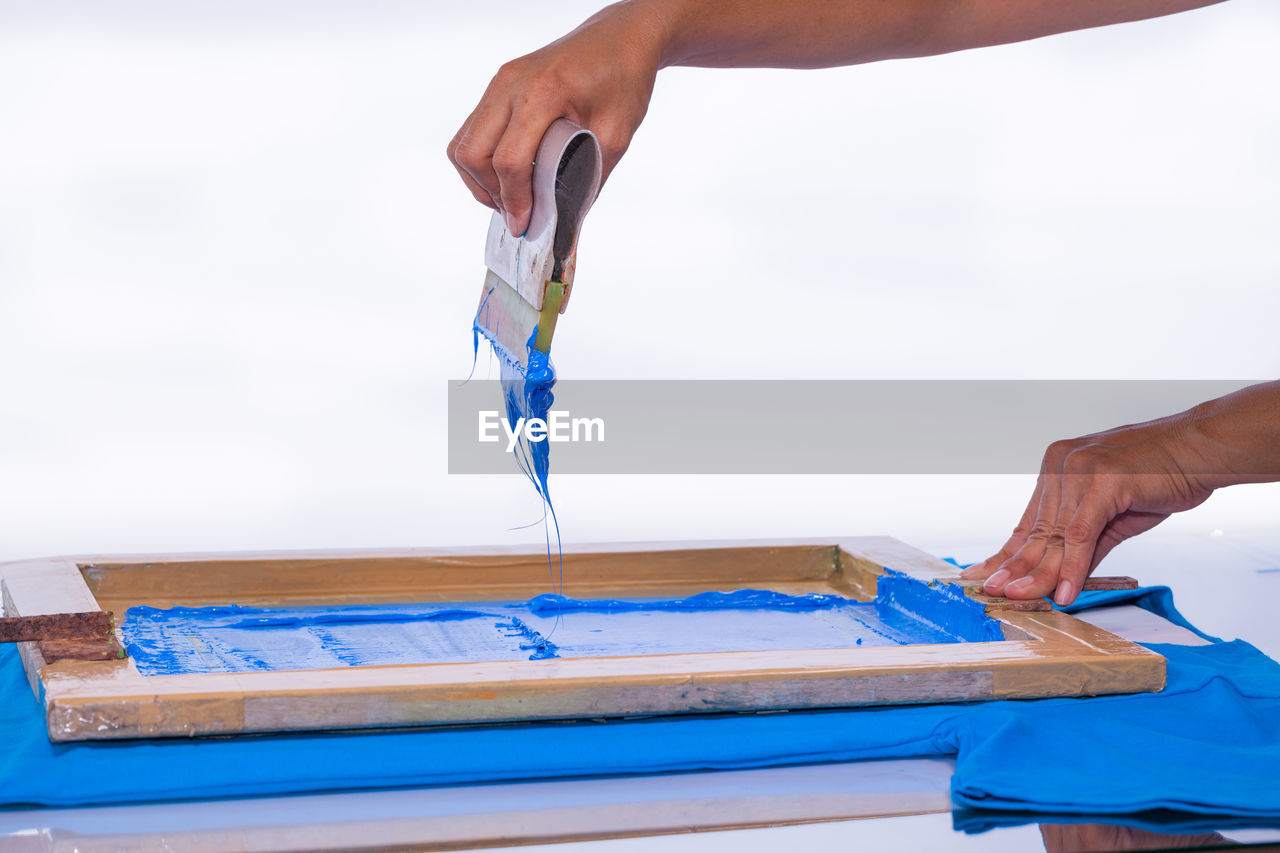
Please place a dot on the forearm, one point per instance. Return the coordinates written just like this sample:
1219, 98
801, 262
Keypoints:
825, 33
601, 75
1234, 439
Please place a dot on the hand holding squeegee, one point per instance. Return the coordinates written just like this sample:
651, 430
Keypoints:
530, 276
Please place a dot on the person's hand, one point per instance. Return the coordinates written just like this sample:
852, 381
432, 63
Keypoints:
601, 76
1092, 494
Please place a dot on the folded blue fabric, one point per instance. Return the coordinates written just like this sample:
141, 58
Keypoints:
1208, 744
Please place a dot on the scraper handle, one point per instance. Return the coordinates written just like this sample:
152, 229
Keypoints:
566, 179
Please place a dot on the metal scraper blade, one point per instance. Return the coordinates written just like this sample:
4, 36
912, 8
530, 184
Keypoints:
507, 319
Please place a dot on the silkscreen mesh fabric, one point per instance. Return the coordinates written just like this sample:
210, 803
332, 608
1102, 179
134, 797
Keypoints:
233, 638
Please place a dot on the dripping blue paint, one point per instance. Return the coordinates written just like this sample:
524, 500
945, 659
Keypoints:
527, 393
248, 639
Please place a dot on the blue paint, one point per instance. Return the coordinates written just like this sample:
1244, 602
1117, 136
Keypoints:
246, 639
289, 620
541, 647
743, 599
527, 393
943, 607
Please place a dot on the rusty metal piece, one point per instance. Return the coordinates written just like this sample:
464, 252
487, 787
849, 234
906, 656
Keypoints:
1031, 605
95, 625
974, 588
1112, 582
81, 649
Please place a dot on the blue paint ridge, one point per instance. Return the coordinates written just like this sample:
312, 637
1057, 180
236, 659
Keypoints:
942, 606
255, 617
743, 599
340, 618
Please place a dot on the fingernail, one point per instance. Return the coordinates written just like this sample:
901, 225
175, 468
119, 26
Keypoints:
511, 224
1018, 585
1063, 595
995, 583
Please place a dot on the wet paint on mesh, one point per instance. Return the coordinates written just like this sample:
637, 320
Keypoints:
250, 639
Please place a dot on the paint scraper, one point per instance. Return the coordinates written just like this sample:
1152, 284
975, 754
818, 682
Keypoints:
529, 276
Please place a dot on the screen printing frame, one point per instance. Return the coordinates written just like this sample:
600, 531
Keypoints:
1045, 653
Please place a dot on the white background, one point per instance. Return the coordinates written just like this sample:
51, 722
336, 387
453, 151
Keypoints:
236, 270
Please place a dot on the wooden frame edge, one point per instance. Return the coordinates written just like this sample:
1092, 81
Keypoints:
106, 700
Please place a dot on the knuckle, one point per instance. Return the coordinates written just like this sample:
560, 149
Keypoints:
1059, 449
508, 71
541, 87
614, 140
1040, 531
1089, 460
507, 163
1078, 532
468, 158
